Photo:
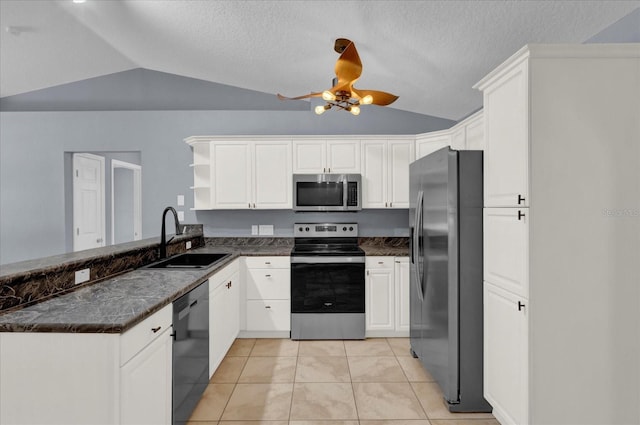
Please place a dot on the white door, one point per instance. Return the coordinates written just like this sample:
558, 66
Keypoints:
88, 201
506, 158
343, 156
505, 355
126, 210
506, 248
309, 156
232, 175
431, 143
400, 155
374, 174
402, 294
379, 294
272, 175
145, 392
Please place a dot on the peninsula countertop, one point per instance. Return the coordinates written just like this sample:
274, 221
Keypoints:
116, 304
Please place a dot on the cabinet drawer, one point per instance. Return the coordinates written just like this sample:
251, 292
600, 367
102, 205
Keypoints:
268, 262
223, 276
142, 334
379, 262
263, 284
269, 315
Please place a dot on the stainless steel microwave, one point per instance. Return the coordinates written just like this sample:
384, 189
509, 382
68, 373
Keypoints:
327, 192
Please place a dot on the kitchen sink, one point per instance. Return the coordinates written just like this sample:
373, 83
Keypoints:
189, 261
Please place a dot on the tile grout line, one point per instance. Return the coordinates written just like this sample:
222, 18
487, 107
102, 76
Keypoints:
235, 384
293, 385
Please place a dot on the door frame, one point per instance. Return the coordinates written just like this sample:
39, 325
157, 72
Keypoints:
137, 198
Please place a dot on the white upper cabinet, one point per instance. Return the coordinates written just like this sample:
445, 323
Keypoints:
272, 180
431, 142
506, 162
326, 156
231, 175
242, 174
385, 173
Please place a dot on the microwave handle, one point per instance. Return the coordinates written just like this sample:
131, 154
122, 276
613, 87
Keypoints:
345, 191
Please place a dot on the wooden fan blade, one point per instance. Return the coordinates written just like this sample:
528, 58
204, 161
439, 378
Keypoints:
380, 98
281, 97
348, 67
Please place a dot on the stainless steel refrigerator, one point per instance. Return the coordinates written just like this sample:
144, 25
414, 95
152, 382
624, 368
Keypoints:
445, 219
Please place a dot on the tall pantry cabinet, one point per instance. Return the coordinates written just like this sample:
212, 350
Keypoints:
562, 235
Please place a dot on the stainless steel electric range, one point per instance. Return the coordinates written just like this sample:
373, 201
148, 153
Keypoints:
327, 282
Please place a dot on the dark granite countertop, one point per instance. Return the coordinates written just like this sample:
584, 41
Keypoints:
116, 304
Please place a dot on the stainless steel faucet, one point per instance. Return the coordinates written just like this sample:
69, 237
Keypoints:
163, 233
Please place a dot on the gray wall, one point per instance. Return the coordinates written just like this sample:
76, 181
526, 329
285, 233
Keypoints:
32, 166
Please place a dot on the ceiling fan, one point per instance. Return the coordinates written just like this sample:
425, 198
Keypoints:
343, 95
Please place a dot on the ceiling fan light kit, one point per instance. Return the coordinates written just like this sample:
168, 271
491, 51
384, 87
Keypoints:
343, 95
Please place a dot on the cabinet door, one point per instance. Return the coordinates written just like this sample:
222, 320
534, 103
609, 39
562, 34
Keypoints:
402, 293
374, 174
506, 159
505, 355
506, 248
400, 155
145, 384
379, 298
232, 175
343, 156
272, 175
218, 323
428, 144
268, 315
309, 156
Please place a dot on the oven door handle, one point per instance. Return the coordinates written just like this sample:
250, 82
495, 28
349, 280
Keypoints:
326, 260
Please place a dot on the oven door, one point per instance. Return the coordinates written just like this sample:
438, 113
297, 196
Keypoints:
327, 284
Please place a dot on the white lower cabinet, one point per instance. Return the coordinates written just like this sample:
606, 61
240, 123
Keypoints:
387, 296
268, 294
506, 354
224, 312
75, 378
145, 382
402, 301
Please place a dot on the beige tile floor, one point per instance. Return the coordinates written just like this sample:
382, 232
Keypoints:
284, 382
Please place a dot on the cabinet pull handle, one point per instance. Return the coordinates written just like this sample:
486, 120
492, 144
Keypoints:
156, 329
254, 205
380, 262
267, 275
267, 262
520, 199
249, 204
390, 204
520, 306
520, 215
385, 205
267, 306
329, 169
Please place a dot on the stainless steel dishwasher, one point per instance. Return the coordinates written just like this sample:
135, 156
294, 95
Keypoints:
190, 351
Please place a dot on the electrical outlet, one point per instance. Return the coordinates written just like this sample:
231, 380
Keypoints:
180, 215
265, 229
180, 200
254, 229
188, 244
82, 276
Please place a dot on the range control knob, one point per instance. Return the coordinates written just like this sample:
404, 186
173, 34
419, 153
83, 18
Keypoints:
306, 228
351, 229
300, 229
344, 229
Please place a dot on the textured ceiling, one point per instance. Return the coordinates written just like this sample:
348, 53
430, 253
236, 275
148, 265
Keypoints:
429, 53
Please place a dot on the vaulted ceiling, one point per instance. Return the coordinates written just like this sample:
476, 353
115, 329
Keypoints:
429, 53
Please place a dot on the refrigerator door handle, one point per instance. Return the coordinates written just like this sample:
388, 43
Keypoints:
417, 228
